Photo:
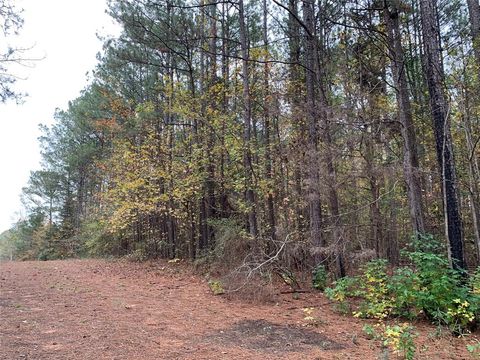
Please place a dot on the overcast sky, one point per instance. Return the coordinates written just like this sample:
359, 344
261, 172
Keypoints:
64, 33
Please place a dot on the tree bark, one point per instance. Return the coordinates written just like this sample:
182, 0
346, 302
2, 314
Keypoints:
410, 155
247, 125
473, 168
267, 125
313, 195
210, 182
474, 15
295, 78
435, 76
324, 115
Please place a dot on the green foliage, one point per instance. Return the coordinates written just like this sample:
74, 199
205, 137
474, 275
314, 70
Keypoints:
404, 287
98, 241
474, 349
400, 338
373, 288
370, 331
216, 286
439, 291
319, 277
341, 291
430, 287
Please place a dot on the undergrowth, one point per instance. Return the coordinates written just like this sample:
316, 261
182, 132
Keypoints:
400, 338
427, 288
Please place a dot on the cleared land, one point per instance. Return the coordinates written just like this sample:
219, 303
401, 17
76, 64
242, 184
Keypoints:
96, 309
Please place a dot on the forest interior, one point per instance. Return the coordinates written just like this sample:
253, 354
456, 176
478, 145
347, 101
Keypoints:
304, 172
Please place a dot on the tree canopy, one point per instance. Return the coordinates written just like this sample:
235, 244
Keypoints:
331, 130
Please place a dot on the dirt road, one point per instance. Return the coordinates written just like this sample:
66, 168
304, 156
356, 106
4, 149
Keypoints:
95, 309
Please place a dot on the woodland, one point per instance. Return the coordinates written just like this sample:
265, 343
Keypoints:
288, 135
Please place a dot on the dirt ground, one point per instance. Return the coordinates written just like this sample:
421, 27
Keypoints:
97, 309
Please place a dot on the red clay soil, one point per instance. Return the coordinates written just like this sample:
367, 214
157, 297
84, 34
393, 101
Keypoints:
96, 309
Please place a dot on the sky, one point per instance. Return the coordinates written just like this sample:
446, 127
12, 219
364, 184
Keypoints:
63, 33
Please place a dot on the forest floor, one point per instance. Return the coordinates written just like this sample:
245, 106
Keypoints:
98, 309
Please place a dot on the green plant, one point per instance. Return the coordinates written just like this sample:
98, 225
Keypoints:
340, 292
474, 349
460, 316
441, 292
97, 239
400, 338
370, 331
404, 287
427, 287
216, 286
374, 290
319, 277
309, 317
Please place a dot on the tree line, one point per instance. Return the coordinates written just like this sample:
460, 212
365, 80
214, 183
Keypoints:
341, 128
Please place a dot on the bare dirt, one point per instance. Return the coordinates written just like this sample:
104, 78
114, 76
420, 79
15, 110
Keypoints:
97, 309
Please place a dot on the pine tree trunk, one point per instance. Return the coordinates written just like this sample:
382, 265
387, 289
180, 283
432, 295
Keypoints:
410, 155
328, 154
247, 124
473, 170
313, 195
210, 182
474, 15
298, 123
434, 74
267, 126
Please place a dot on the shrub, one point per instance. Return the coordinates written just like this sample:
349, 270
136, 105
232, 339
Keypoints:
404, 286
319, 277
343, 289
428, 287
374, 289
399, 338
97, 239
216, 287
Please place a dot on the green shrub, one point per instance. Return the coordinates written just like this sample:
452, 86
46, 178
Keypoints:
429, 287
399, 338
374, 289
216, 286
404, 286
319, 277
342, 289
441, 292
97, 240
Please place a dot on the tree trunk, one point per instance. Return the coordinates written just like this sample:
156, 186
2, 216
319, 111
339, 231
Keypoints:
474, 15
210, 182
295, 78
410, 155
473, 168
328, 155
247, 125
434, 74
267, 125
313, 195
